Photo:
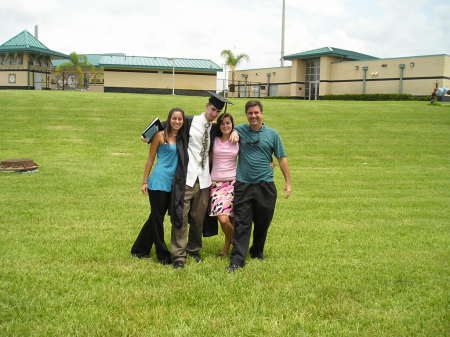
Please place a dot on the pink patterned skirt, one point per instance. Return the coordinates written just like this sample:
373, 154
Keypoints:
222, 195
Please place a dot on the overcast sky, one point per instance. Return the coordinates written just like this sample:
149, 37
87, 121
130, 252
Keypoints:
203, 28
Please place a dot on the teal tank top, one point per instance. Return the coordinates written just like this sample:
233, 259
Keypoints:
162, 175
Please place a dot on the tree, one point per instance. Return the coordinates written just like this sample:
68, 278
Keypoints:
232, 61
78, 66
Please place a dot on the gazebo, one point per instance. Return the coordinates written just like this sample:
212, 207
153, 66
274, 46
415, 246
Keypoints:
26, 63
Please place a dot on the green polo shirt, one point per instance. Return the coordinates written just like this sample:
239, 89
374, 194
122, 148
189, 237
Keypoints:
255, 153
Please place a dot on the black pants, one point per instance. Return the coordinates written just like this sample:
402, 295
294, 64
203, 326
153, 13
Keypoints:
152, 231
252, 203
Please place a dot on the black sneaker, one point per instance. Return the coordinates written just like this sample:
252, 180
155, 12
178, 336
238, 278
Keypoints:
178, 264
141, 256
197, 258
232, 268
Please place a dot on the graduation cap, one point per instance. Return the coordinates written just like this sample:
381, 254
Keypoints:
218, 101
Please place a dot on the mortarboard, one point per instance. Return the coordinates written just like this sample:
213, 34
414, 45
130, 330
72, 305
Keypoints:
218, 101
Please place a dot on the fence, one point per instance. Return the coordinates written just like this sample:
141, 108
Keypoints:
248, 89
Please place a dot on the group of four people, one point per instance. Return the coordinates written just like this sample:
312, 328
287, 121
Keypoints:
226, 167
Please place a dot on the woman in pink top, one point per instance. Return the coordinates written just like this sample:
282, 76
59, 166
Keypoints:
223, 176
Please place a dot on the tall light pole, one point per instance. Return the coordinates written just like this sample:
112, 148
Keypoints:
173, 75
225, 82
282, 33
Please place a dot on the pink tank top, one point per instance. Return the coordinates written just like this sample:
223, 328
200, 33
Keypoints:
224, 160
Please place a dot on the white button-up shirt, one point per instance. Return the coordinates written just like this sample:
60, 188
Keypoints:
195, 169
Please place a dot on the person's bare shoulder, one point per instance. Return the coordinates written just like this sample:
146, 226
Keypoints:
160, 136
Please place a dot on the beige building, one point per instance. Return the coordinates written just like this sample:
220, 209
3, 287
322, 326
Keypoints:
157, 75
333, 71
149, 75
26, 63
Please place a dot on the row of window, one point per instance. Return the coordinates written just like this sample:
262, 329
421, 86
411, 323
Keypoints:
17, 59
8, 59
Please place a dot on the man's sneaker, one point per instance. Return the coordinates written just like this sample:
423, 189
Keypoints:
178, 264
232, 268
141, 256
197, 258
259, 257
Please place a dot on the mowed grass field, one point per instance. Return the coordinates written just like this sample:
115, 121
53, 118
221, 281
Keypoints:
360, 249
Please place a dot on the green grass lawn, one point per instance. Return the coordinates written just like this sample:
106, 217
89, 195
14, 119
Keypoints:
360, 249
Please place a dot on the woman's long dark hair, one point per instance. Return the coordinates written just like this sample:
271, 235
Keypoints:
168, 128
220, 120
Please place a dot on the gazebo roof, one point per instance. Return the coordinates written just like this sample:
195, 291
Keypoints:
25, 42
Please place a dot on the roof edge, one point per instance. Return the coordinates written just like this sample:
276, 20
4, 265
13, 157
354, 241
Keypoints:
123, 66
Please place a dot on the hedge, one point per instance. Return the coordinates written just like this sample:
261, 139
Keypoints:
377, 97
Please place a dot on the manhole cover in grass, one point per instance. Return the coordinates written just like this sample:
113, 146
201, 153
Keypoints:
18, 165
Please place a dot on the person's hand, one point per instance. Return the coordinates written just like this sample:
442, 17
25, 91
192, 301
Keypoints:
144, 140
234, 136
287, 191
144, 188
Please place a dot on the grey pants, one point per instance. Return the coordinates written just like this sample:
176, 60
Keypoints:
195, 205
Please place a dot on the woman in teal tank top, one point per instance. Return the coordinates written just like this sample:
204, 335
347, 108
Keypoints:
158, 187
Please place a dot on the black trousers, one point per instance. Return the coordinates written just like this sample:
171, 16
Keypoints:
252, 203
152, 231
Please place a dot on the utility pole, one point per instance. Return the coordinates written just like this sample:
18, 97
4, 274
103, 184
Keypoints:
282, 33
173, 75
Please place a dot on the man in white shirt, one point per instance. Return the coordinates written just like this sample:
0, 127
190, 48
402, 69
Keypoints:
190, 193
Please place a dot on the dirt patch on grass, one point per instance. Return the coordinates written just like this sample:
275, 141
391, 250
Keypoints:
121, 154
64, 128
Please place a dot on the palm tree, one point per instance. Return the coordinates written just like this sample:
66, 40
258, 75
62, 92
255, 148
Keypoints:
232, 61
78, 66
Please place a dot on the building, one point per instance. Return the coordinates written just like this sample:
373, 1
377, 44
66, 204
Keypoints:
26, 63
158, 75
334, 71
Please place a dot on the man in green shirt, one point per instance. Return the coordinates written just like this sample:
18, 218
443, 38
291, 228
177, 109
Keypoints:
255, 193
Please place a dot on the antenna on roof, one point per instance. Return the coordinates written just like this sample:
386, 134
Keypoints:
36, 32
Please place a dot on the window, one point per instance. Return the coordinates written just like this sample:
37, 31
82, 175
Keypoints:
312, 74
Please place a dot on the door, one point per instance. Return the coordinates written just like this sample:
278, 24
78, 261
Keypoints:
313, 92
37, 81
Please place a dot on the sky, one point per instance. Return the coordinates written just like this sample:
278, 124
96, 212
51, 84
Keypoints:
203, 28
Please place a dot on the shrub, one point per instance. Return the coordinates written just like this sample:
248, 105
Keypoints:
377, 97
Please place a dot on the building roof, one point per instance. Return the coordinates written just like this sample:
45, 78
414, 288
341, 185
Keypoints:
25, 42
93, 59
124, 61
119, 60
330, 51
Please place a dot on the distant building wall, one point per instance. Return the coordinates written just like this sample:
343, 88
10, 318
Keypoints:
261, 82
161, 82
24, 71
446, 81
326, 73
420, 75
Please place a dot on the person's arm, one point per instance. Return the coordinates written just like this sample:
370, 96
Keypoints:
234, 136
149, 140
157, 140
287, 177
